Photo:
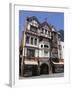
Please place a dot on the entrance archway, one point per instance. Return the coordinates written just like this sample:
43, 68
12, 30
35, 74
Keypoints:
44, 69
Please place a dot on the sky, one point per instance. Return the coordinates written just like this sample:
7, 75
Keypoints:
54, 18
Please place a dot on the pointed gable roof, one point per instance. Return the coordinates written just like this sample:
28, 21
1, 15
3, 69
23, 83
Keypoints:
45, 23
32, 18
53, 29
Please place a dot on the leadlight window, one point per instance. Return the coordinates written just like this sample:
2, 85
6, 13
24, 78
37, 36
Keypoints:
30, 52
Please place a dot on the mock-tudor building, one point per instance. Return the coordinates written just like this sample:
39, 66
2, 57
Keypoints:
41, 49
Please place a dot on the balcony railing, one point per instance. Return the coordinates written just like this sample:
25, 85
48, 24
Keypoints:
31, 32
45, 35
31, 58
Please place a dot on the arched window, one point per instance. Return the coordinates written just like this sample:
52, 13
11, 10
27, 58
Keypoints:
41, 46
45, 46
42, 30
45, 31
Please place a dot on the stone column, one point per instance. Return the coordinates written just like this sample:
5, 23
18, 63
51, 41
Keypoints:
22, 63
50, 67
38, 68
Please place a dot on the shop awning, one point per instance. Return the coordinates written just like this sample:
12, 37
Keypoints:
31, 62
57, 62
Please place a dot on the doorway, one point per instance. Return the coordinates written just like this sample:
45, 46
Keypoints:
44, 69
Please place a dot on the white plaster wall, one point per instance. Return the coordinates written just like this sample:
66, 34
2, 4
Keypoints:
62, 50
41, 51
24, 51
28, 26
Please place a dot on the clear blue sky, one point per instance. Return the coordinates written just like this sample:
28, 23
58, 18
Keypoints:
53, 18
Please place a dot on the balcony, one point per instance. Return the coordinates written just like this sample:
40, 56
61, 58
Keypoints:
31, 32
45, 35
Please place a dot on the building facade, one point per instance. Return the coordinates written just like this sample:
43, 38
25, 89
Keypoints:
40, 48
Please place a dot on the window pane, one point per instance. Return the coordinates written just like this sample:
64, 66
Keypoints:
60, 47
30, 52
35, 41
31, 40
41, 46
45, 46
33, 29
45, 51
45, 31
27, 39
42, 30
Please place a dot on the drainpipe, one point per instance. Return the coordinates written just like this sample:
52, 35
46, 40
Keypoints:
23, 57
50, 55
38, 59
60, 50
